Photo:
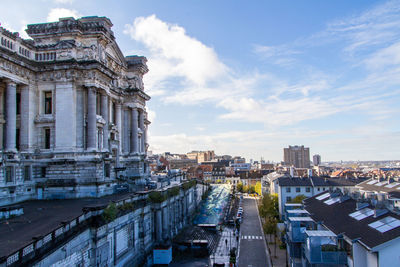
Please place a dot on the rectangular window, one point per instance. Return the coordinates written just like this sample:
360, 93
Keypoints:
47, 138
27, 173
308, 190
18, 96
114, 115
43, 172
287, 189
98, 104
297, 189
17, 136
9, 174
288, 199
48, 102
107, 170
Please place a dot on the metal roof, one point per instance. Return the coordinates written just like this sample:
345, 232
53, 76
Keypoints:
324, 233
300, 219
297, 211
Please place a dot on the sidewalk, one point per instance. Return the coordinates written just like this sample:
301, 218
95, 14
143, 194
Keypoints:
279, 257
221, 255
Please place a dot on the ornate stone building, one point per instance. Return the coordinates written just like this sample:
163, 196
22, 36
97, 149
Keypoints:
73, 118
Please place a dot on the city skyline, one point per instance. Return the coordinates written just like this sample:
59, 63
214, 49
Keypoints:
252, 79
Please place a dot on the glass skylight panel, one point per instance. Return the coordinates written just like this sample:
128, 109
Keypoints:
372, 182
385, 224
332, 200
392, 185
361, 214
321, 197
376, 224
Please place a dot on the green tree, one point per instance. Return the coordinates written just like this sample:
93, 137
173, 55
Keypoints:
245, 189
239, 187
258, 188
298, 199
252, 189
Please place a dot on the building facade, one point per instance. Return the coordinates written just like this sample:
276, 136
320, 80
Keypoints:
72, 112
316, 160
297, 156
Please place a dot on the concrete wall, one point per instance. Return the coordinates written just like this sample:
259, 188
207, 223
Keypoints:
363, 258
389, 256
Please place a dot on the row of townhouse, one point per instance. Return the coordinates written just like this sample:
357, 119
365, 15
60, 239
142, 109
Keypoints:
355, 228
288, 188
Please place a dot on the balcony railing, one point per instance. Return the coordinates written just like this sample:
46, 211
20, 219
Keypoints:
315, 255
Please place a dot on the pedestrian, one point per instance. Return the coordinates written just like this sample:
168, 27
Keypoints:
226, 242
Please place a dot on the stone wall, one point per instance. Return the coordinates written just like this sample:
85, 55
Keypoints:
128, 239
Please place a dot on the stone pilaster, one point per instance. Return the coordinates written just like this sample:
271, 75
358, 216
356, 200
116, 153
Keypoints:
65, 116
104, 114
92, 121
141, 126
134, 131
11, 115
145, 138
118, 122
125, 131
80, 112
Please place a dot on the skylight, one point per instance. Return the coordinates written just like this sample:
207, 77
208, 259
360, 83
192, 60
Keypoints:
385, 224
332, 200
372, 182
361, 214
381, 183
392, 185
321, 197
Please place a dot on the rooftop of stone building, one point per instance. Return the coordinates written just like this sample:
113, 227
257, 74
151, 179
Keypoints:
41, 217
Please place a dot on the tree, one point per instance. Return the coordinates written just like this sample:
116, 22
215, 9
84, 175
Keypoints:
239, 187
258, 188
298, 199
252, 189
269, 206
245, 188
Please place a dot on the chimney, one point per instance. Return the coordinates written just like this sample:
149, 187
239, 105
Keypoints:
309, 172
291, 172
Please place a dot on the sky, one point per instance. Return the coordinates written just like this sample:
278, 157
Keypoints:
248, 78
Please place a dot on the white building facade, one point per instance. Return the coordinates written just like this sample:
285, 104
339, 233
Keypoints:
72, 112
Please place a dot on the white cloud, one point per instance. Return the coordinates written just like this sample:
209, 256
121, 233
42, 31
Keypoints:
279, 55
174, 53
57, 13
387, 56
64, 1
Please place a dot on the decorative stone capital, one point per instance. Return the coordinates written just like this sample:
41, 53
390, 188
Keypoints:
10, 82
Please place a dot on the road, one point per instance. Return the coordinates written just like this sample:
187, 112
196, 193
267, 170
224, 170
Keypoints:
253, 249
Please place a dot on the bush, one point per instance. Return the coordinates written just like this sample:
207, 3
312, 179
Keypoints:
157, 197
173, 191
188, 185
127, 207
110, 213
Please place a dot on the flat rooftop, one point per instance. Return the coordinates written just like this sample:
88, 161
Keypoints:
43, 216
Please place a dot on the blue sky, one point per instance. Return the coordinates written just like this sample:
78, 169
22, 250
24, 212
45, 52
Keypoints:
251, 77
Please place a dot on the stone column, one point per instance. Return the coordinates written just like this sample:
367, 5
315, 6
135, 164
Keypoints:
104, 114
24, 130
11, 115
118, 122
134, 131
145, 138
125, 131
92, 121
141, 126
